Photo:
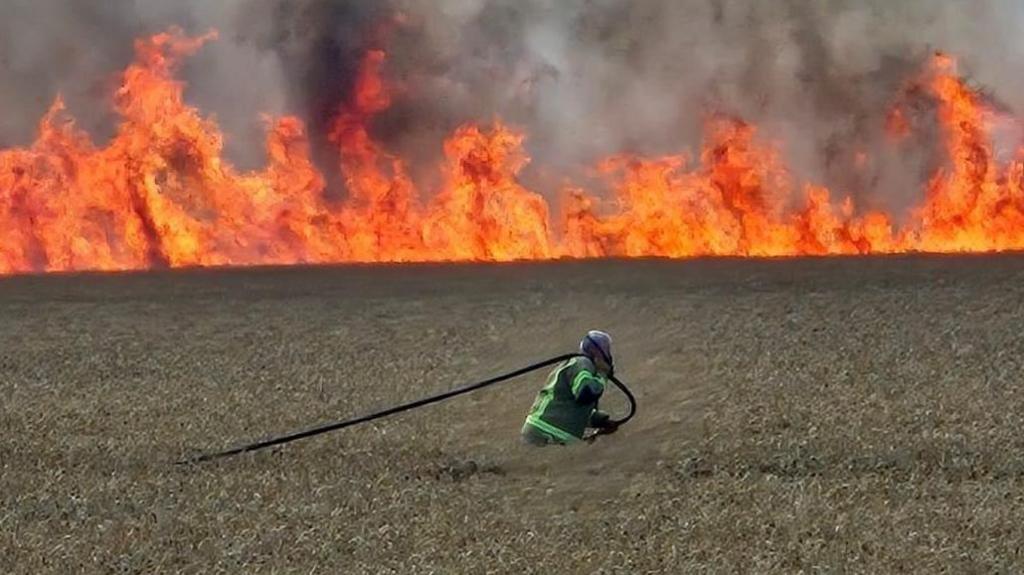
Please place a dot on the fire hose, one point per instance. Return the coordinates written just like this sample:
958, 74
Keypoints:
410, 406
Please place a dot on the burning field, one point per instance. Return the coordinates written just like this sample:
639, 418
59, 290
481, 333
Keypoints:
221, 221
161, 193
847, 414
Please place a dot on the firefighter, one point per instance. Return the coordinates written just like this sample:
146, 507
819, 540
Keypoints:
567, 406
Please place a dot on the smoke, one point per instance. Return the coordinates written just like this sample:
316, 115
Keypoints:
584, 78
76, 49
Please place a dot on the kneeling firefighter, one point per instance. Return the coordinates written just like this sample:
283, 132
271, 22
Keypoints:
567, 405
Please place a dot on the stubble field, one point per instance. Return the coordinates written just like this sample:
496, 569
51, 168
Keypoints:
795, 415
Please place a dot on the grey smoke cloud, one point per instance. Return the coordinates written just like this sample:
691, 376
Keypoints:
584, 78
78, 48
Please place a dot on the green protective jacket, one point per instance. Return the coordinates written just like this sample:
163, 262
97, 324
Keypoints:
567, 405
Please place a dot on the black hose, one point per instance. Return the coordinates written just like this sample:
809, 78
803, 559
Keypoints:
629, 397
406, 407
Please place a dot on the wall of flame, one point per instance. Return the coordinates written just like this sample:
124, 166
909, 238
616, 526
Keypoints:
160, 193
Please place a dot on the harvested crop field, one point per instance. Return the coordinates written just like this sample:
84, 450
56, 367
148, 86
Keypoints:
822, 414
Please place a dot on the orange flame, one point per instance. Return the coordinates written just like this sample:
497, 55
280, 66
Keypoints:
161, 194
971, 204
483, 213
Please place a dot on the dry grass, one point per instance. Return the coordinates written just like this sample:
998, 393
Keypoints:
830, 415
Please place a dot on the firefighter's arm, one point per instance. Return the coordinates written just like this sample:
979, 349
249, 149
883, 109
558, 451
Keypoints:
587, 388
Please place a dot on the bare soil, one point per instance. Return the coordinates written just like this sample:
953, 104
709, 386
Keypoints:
834, 415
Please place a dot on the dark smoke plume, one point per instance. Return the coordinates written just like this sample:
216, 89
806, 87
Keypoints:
583, 78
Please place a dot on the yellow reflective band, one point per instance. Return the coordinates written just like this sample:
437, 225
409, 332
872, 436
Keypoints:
551, 429
550, 387
580, 378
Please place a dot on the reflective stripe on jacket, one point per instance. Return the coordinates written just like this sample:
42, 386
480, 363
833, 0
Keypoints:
568, 403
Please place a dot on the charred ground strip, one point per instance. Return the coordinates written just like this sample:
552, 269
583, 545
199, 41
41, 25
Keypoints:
859, 413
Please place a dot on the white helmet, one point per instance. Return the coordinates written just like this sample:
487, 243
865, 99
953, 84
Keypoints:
597, 344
